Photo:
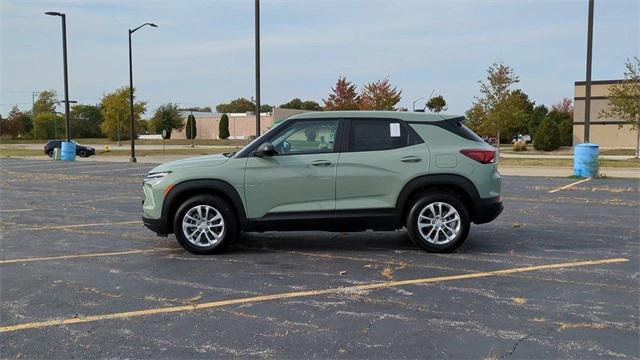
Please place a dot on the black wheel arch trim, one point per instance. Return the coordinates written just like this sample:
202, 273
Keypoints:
434, 181
214, 185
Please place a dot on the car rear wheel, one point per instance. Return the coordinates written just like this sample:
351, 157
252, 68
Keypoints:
205, 224
438, 222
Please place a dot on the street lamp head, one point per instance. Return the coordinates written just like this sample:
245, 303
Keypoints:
53, 13
141, 26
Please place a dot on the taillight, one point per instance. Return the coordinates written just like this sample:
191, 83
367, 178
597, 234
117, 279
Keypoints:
484, 156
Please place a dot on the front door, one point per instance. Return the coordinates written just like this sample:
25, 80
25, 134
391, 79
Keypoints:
301, 178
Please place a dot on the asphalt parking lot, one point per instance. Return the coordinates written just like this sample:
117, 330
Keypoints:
556, 275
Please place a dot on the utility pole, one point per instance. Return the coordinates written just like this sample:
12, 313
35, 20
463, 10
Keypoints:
587, 95
257, 26
119, 116
33, 111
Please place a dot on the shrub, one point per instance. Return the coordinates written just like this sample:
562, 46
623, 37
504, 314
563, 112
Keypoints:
223, 127
547, 136
520, 145
191, 127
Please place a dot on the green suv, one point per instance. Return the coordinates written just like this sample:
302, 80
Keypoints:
333, 171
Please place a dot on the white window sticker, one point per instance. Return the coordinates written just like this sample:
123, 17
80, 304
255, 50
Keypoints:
394, 129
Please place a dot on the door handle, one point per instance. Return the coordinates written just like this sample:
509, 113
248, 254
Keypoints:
411, 159
321, 163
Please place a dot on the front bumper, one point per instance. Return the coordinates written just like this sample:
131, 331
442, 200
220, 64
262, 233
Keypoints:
156, 225
486, 210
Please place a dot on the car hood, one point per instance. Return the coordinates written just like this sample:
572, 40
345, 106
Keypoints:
208, 160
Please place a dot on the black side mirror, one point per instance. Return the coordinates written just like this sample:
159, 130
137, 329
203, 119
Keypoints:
265, 149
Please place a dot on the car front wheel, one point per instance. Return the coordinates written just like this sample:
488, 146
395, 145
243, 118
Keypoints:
82, 153
438, 222
50, 153
205, 224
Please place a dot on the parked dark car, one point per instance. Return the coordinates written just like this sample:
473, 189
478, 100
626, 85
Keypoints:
82, 151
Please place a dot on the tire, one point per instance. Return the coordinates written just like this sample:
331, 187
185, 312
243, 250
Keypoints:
433, 232
201, 240
50, 153
82, 153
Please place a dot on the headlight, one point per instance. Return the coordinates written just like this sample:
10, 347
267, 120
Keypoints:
156, 176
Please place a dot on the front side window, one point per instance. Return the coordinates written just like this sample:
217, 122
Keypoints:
377, 134
307, 137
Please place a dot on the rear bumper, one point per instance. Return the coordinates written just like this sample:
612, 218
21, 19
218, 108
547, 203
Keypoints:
486, 210
156, 225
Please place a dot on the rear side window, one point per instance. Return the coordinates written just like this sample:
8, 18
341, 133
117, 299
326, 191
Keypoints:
457, 127
380, 134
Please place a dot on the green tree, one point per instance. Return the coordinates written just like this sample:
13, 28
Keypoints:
624, 99
437, 104
379, 95
167, 117
547, 136
298, 104
564, 121
562, 114
115, 108
294, 103
223, 127
46, 102
266, 108
343, 96
537, 115
85, 121
191, 127
493, 111
197, 108
240, 105
49, 126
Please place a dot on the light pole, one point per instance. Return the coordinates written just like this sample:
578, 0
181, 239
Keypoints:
415, 101
131, 116
257, 26
587, 85
64, 59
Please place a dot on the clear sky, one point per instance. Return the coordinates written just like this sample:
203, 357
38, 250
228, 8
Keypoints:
202, 52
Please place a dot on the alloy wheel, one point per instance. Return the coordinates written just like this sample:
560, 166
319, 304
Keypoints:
203, 226
439, 223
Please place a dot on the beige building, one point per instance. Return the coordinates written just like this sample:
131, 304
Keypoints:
241, 125
606, 131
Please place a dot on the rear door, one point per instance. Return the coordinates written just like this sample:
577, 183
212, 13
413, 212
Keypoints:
380, 156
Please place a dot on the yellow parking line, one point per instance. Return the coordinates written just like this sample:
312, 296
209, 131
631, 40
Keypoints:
298, 294
569, 185
77, 256
76, 226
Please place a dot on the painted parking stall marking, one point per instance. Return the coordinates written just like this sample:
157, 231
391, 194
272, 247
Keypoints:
79, 225
90, 255
569, 185
300, 294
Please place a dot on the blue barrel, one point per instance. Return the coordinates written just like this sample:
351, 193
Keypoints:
68, 151
585, 160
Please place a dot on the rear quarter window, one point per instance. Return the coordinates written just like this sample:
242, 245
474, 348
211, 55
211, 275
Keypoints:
454, 126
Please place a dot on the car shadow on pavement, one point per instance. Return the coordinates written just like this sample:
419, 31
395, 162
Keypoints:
315, 241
